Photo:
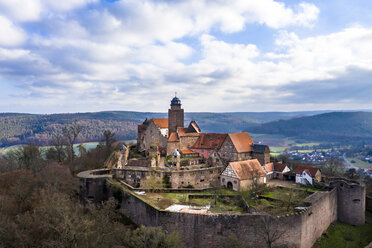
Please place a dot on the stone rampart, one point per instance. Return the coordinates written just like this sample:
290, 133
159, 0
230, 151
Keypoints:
351, 202
205, 229
198, 230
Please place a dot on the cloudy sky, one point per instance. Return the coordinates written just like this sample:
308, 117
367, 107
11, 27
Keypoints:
220, 55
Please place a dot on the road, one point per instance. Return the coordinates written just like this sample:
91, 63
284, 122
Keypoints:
348, 162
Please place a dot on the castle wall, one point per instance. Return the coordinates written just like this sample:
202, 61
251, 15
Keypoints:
321, 213
187, 141
201, 178
152, 135
263, 158
227, 151
171, 146
204, 230
351, 201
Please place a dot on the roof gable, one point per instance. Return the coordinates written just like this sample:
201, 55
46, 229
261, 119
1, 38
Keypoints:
242, 141
309, 169
269, 167
279, 167
173, 137
160, 122
193, 128
247, 169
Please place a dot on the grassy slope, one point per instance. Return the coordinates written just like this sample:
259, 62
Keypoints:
345, 236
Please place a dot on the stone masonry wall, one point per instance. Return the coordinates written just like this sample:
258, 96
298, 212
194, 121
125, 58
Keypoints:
152, 135
187, 141
204, 230
351, 201
317, 218
227, 151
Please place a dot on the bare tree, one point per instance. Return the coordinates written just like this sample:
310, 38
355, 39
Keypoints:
108, 138
270, 230
71, 133
58, 143
334, 167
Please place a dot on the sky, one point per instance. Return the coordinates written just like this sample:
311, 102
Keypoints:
219, 56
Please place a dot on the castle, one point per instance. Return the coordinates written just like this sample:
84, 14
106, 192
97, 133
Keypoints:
169, 134
188, 157
192, 150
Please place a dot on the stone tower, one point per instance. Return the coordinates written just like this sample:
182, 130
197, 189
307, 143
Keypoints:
175, 115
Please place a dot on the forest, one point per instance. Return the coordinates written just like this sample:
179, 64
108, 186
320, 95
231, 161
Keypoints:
39, 129
40, 206
339, 127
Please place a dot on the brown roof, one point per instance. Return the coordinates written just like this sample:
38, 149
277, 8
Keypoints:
140, 127
210, 141
242, 141
311, 170
193, 127
279, 167
188, 152
247, 169
269, 167
173, 137
182, 132
161, 122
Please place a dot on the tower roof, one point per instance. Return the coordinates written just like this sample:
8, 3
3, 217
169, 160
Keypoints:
176, 101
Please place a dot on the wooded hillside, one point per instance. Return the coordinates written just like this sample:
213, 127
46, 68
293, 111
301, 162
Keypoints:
331, 127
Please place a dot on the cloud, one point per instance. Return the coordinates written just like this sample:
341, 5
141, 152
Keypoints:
133, 55
10, 34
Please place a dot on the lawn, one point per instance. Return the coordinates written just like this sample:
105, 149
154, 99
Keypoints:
275, 201
345, 236
164, 200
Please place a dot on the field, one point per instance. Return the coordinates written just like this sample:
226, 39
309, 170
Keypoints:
359, 163
345, 236
279, 143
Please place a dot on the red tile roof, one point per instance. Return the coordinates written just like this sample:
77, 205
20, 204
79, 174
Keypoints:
247, 169
269, 167
209, 141
279, 167
173, 137
161, 122
193, 127
242, 141
309, 169
188, 152
182, 132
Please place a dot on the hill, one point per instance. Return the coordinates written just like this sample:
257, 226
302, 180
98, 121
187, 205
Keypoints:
329, 127
18, 128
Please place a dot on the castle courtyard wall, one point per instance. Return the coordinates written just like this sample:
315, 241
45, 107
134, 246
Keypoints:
320, 214
205, 229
